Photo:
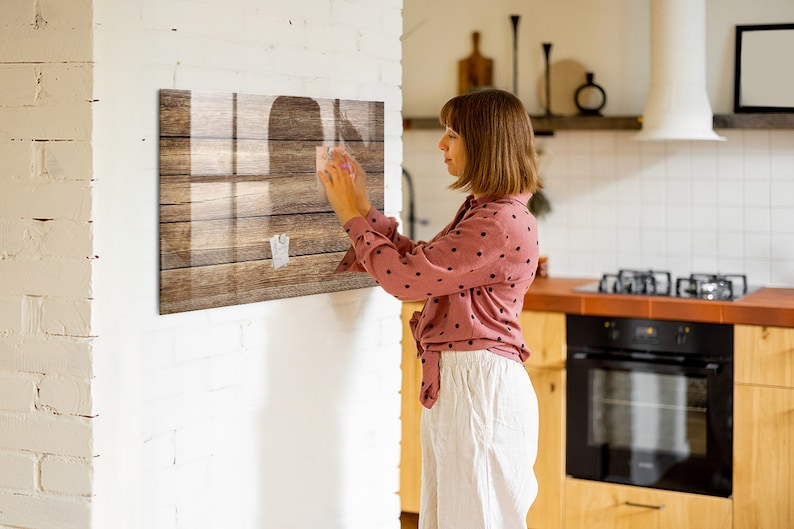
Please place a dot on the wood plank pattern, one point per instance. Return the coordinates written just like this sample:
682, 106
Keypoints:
238, 169
204, 287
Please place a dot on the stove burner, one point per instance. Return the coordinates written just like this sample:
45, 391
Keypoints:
724, 287
711, 286
648, 282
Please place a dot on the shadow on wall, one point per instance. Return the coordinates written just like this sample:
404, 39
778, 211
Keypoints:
310, 420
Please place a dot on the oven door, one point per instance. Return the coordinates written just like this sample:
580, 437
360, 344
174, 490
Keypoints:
649, 421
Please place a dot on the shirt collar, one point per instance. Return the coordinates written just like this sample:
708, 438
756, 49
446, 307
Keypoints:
474, 202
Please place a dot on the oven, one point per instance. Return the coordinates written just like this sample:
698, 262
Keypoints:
650, 403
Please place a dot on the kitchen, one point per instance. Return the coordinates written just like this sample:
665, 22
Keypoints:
680, 207
115, 416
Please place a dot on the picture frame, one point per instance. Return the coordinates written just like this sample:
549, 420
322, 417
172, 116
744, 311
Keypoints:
764, 80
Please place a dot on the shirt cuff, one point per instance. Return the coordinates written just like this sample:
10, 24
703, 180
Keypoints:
354, 228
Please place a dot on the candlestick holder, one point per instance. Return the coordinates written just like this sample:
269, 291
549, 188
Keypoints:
514, 19
546, 53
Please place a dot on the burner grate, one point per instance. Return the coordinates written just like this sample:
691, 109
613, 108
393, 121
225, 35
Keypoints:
645, 282
712, 286
723, 287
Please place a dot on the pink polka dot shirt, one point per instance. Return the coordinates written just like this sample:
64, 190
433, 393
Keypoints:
473, 276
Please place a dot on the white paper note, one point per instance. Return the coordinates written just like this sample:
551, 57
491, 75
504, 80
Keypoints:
279, 247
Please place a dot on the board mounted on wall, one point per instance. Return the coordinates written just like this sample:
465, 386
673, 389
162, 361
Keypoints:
238, 182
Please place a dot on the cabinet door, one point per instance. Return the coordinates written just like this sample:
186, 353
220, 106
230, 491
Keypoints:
763, 477
594, 505
764, 355
546, 511
410, 447
544, 334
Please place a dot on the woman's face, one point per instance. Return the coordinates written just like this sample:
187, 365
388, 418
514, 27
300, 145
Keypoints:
454, 153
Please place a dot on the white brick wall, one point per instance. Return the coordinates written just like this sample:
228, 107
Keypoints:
17, 392
282, 414
65, 475
278, 414
45, 264
19, 471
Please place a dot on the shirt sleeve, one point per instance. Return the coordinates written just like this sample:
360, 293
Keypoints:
474, 253
383, 225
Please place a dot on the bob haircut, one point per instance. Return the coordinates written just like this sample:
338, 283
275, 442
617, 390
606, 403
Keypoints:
498, 141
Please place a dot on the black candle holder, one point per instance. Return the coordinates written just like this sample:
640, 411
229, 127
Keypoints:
546, 53
514, 19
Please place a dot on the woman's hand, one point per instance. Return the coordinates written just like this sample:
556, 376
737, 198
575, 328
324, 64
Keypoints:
342, 185
359, 183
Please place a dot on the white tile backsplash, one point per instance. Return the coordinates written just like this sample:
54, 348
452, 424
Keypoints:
618, 203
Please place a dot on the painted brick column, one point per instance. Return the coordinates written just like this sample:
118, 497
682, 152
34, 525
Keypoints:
45, 263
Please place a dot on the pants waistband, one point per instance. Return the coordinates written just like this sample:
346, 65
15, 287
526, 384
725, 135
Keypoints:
466, 358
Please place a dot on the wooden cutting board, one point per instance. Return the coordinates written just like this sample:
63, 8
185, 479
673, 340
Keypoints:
475, 71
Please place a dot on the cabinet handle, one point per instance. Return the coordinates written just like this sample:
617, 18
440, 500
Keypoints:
645, 505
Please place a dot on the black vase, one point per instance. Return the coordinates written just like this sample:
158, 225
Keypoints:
590, 98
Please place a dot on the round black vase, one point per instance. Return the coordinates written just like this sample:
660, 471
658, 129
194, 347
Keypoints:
590, 98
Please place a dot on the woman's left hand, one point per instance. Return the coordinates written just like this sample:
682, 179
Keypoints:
339, 186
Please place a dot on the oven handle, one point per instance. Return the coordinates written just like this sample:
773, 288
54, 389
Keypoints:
713, 367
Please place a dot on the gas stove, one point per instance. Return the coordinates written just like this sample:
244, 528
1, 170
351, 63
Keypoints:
720, 287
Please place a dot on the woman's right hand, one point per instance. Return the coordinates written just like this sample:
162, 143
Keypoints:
363, 204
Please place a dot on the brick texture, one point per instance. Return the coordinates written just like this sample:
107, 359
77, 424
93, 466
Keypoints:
19, 472
46, 457
71, 476
17, 392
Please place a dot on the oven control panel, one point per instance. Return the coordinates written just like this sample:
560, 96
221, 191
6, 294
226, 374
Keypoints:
643, 335
646, 334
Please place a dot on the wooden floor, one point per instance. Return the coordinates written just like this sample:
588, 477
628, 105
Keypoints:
409, 520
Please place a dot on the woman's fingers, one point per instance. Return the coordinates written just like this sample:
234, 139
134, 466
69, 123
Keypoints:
344, 186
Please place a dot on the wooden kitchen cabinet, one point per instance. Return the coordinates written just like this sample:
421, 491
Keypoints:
549, 386
763, 355
545, 335
410, 447
763, 477
597, 505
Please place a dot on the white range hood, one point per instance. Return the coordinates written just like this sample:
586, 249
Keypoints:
678, 107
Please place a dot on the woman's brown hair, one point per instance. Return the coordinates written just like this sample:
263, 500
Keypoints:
499, 142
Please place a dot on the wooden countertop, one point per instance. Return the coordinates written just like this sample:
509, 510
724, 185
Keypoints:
767, 306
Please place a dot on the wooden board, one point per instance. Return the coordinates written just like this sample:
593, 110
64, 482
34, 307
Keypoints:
238, 169
475, 71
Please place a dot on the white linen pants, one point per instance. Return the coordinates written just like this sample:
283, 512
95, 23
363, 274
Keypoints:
479, 443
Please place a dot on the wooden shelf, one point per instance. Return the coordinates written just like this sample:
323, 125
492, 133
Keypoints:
779, 120
548, 124
552, 123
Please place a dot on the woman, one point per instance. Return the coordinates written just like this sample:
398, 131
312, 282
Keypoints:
479, 427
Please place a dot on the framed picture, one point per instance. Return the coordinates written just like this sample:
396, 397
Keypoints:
764, 78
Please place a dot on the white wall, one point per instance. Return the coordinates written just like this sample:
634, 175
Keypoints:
609, 37
680, 206
282, 414
279, 414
